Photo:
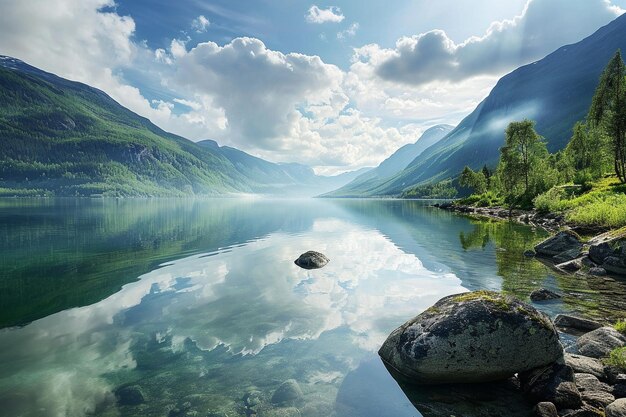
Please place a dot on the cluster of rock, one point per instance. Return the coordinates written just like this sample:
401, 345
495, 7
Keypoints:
548, 221
486, 336
603, 254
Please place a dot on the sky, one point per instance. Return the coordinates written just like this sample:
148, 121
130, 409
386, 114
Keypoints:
337, 85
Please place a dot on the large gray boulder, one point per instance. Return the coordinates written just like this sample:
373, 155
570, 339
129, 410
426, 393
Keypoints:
600, 342
311, 260
472, 337
561, 242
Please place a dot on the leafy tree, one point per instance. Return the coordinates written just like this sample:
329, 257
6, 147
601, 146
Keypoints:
473, 180
523, 169
608, 111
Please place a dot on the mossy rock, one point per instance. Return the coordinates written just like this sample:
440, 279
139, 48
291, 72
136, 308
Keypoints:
472, 337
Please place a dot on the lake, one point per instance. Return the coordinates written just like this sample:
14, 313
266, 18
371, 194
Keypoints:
199, 307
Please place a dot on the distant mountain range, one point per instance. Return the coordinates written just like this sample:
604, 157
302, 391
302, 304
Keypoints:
555, 91
366, 184
59, 137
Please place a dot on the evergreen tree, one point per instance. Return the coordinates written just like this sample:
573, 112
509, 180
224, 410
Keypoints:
608, 111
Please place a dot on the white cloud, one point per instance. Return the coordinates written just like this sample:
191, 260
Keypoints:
349, 32
543, 26
200, 24
331, 15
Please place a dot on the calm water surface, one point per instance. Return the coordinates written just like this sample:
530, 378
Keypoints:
198, 302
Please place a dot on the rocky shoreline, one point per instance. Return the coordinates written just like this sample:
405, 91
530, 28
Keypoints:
487, 340
602, 254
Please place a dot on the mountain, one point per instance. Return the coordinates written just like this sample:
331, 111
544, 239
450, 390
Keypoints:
59, 137
290, 179
555, 91
364, 184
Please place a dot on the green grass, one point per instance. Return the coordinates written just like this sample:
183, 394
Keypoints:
620, 326
604, 205
617, 358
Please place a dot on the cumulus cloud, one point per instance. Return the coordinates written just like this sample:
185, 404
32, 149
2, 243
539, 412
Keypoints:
331, 15
258, 88
544, 25
200, 24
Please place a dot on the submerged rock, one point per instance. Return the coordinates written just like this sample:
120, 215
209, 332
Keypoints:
130, 395
561, 242
577, 323
600, 342
288, 391
473, 337
311, 260
543, 294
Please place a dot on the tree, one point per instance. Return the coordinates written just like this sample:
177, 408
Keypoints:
523, 169
487, 174
473, 180
608, 111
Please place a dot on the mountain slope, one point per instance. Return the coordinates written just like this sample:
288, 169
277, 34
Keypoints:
364, 184
555, 91
66, 138
59, 137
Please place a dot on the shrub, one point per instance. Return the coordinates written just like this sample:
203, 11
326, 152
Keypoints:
617, 358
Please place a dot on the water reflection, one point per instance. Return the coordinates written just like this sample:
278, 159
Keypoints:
228, 313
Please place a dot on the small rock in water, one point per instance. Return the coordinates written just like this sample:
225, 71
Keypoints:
288, 391
559, 243
311, 260
576, 323
566, 256
543, 294
129, 395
